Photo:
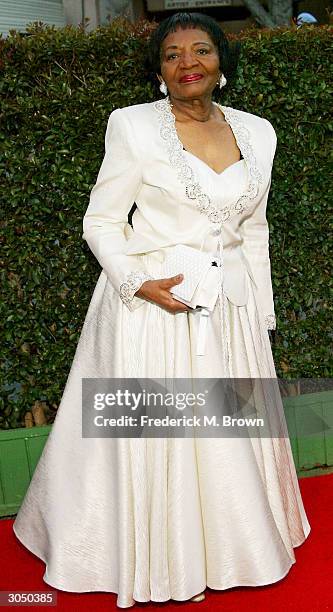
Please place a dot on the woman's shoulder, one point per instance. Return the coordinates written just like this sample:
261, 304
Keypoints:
254, 119
136, 121
246, 115
133, 111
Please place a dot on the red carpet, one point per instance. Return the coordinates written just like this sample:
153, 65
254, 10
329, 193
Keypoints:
308, 587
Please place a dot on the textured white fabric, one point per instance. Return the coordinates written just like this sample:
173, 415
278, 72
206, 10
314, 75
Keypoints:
154, 519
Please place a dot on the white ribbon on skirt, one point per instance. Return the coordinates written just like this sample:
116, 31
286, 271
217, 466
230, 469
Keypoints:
224, 321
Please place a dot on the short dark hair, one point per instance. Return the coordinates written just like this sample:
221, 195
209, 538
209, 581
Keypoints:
228, 53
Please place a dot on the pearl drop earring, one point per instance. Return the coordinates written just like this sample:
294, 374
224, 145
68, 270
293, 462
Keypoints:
163, 88
222, 81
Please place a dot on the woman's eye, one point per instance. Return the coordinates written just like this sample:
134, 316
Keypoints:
172, 55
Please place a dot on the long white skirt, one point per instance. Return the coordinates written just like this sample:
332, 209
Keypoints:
160, 518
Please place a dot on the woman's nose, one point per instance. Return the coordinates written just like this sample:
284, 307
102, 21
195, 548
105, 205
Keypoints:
188, 59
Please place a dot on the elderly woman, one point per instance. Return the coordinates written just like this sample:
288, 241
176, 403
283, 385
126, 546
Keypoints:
162, 518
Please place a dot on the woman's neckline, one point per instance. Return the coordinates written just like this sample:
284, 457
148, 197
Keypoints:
223, 110
189, 178
209, 167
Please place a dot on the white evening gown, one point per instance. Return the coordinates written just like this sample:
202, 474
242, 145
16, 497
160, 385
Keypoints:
154, 519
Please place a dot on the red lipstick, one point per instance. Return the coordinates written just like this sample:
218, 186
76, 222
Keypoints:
191, 77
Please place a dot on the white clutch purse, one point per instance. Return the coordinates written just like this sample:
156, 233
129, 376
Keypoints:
200, 285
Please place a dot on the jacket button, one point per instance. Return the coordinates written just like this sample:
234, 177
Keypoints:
215, 231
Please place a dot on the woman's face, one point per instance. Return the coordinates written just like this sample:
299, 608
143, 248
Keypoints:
189, 63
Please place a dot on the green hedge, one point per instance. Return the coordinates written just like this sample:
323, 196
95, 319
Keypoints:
58, 88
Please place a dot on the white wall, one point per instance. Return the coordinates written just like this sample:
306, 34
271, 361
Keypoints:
16, 14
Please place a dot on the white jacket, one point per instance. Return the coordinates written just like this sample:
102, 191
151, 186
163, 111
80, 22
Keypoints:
144, 163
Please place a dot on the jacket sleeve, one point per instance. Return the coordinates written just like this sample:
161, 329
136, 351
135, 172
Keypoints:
255, 233
111, 199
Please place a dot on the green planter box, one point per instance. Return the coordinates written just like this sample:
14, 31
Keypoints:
310, 424
20, 450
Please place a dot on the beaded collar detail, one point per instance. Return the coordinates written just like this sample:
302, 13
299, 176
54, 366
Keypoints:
186, 174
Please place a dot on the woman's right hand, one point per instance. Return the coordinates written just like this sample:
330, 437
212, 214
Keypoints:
158, 291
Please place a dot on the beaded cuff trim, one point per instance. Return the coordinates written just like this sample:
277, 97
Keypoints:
270, 321
133, 282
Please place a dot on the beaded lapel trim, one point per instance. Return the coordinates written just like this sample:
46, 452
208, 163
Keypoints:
186, 174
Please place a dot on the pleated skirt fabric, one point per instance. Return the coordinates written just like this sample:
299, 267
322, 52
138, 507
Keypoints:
160, 518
